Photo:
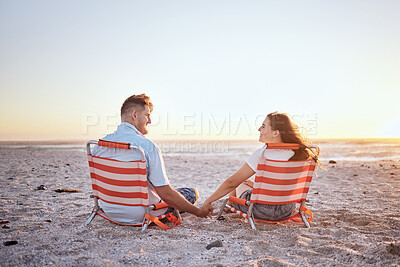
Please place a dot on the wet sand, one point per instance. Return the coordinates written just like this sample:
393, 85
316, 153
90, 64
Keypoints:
355, 206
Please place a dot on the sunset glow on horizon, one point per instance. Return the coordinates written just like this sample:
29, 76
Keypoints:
212, 69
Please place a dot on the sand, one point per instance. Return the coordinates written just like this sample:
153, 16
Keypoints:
355, 206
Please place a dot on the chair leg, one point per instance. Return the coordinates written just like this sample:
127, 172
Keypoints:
252, 224
145, 224
91, 217
145, 221
302, 215
222, 208
94, 212
251, 218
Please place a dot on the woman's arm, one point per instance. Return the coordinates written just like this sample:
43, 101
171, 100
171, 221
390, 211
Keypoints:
249, 183
231, 183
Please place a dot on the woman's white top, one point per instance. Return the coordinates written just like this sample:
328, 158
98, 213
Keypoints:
273, 154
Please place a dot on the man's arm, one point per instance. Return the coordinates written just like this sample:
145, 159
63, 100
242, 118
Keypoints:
177, 201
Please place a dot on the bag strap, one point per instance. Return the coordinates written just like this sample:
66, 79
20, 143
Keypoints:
169, 216
307, 211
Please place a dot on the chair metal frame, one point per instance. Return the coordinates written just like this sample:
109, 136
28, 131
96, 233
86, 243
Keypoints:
249, 216
148, 218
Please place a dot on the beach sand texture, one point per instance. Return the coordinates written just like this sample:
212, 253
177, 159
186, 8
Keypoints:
355, 205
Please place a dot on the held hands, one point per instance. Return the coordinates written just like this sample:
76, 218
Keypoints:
206, 210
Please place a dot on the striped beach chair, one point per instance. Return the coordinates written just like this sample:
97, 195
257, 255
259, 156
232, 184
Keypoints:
277, 183
123, 183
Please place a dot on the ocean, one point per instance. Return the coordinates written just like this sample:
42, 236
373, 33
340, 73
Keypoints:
341, 150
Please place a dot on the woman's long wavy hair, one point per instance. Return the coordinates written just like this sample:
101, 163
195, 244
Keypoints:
290, 134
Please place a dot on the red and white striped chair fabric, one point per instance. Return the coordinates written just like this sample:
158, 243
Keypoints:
122, 183
277, 183
117, 182
282, 182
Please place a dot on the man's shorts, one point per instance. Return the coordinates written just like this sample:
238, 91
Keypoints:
191, 195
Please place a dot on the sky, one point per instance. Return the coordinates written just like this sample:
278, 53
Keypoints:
213, 69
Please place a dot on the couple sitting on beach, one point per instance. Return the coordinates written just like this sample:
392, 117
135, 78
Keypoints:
135, 116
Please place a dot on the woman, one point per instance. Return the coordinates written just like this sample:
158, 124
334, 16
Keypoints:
276, 128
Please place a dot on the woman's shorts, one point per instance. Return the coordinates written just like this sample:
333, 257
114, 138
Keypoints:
264, 211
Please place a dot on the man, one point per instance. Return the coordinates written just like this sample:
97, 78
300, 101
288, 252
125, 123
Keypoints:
135, 116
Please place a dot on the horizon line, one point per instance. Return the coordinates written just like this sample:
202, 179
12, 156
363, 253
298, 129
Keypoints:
72, 141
